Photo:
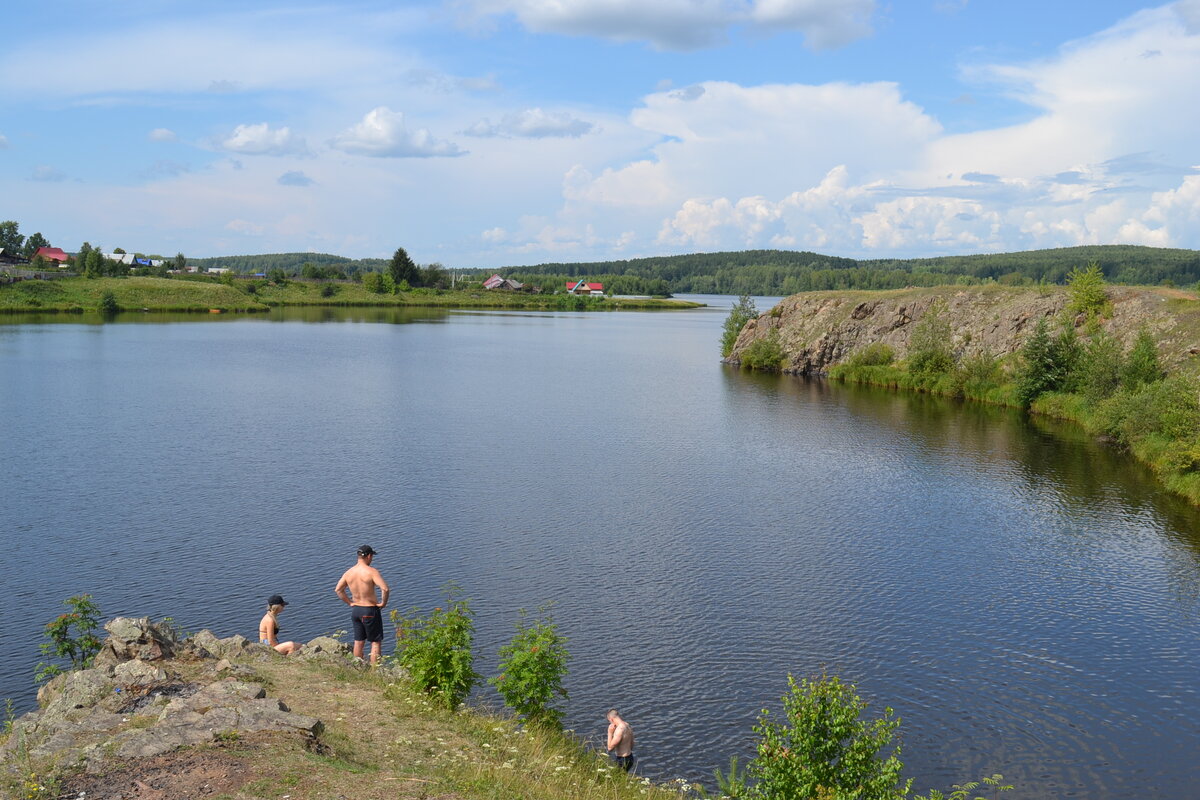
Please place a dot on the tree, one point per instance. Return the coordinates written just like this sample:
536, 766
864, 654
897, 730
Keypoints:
1101, 367
1039, 373
180, 262
434, 276
929, 347
825, 748
742, 312
532, 668
33, 243
403, 269
1142, 366
1086, 288
71, 636
11, 239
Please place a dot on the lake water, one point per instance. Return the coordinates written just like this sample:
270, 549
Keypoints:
1026, 599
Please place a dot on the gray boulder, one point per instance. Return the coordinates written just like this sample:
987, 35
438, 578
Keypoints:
138, 673
130, 638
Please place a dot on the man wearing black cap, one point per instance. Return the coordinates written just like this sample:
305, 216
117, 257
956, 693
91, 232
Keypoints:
365, 613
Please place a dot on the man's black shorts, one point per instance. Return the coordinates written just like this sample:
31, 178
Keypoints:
368, 623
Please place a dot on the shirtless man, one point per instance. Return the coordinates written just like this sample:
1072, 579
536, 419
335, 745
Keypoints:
365, 613
620, 740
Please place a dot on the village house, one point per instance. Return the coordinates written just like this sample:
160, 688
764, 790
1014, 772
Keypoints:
52, 254
583, 287
496, 282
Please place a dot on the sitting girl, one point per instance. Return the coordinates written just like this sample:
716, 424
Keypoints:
268, 628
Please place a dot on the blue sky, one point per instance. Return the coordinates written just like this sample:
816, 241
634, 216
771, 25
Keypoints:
495, 132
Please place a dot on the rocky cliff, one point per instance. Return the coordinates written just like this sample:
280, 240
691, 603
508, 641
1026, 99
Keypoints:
820, 329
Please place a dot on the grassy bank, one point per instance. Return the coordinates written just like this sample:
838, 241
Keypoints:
75, 295
1157, 422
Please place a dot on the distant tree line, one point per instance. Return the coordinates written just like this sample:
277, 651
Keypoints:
772, 272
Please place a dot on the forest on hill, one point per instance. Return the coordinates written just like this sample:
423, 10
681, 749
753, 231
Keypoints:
783, 272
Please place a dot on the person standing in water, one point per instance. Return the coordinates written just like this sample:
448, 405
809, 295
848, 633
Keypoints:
620, 740
357, 590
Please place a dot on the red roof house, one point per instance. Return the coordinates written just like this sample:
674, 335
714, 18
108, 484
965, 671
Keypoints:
583, 287
52, 254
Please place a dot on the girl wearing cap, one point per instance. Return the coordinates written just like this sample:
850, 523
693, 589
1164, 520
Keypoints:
268, 628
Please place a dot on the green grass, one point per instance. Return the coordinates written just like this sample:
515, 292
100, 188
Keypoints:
77, 295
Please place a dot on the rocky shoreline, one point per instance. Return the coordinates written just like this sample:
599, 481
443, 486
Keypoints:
150, 693
817, 330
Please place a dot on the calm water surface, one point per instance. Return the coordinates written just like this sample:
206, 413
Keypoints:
1025, 599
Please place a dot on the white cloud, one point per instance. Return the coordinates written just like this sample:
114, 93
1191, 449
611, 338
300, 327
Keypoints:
294, 178
382, 133
686, 24
532, 123
3, 141
855, 169
307, 49
263, 140
245, 227
47, 174
162, 135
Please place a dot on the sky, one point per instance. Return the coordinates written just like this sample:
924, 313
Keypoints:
485, 133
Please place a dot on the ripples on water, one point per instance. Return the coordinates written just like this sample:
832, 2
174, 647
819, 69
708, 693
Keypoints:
1025, 599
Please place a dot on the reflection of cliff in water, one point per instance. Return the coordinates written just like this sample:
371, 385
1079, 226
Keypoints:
1055, 461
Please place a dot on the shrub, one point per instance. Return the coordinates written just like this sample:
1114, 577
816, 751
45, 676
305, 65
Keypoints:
277, 276
966, 791
1039, 373
1142, 366
764, 354
1087, 293
436, 650
373, 282
742, 312
929, 348
1100, 367
328, 290
532, 668
71, 636
825, 748
108, 303
1168, 408
876, 354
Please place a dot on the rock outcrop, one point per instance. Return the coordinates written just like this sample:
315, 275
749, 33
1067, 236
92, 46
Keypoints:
135, 703
819, 329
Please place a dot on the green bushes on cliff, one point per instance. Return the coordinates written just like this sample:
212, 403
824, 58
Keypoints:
764, 354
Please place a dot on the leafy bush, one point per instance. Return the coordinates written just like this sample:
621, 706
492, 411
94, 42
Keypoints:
373, 282
966, 791
1142, 366
876, 354
764, 354
929, 348
1101, 367
436, 650
108, 303
1039, 369
1087, 293
1168, 408
825, 748
328, 290
742, 312
532, 668
71, 636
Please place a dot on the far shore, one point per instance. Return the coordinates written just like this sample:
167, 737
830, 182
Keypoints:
77, 295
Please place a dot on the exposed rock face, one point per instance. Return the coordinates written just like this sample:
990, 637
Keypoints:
820, 329
140, 638
132, 705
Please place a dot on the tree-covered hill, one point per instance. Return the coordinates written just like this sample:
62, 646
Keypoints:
290, 263
774, 272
